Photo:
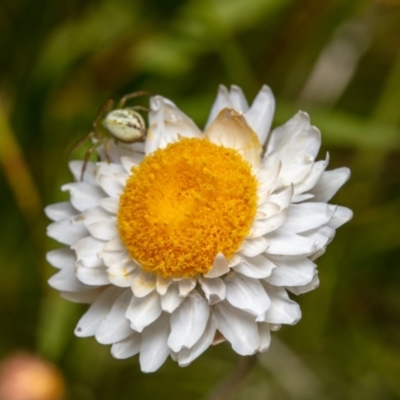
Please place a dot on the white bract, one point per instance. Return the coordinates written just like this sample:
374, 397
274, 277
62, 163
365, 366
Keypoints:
176, 250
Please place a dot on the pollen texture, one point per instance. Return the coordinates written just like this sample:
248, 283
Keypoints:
184, 204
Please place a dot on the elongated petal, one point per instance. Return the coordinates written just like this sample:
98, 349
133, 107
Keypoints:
115, 326
238, 327
91, 320
257, 267
287, 243
306, 216
75, 166
186, 286
291, 271
143, 311
91, 276
220, 267
61, 258
214, 289
188, 322
261, 112
231, 130
143, 284
59, 211
186, 356
67, 231
171, 300
83, 195
222, 101
66, 281
246, 294
127, 347
154, 349
330, 183
282, 309
254, 247
167, 124
86, 251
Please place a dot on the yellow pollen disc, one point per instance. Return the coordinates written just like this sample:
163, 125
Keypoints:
184, 204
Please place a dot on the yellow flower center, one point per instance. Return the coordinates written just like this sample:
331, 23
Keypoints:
184, 204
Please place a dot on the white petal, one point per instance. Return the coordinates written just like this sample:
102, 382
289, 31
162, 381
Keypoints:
154, 349
188, 322
220, 267
186, 356
114, 244
222, 101
186, 286
61, 258
264, 331
92, 276
115, 327
313, 177
282, 197
105, 230
128, 164
59, 211
341, 216
123, 275
282, 310
264, 226
246, 294
284, 134
238, 100
114, 259
255, 267
143, 284
109, 169
261, 112
86, 296
95, 214
330, 183
306, 216
83, 195
231, 130
167, 124
287, 243
238, 327
128, 347
143, 311
162, 284
171, 300
110, 185
254, 247
66, 281
91, 320
76, 166
291, 271
86, 251
297, 290
67, 231
214, 289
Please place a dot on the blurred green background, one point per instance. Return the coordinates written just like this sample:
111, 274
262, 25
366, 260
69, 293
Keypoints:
339, 60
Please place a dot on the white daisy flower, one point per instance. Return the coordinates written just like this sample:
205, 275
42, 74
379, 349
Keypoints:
192, 237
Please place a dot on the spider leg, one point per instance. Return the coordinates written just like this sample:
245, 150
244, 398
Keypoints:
107, 151
141, 108
132, 96
87, 156
80, 142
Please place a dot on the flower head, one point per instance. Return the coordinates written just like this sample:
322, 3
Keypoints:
192, 236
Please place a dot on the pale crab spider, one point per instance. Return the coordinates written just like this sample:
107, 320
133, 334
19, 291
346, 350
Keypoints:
123, 124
